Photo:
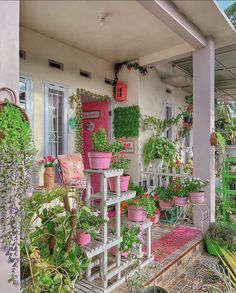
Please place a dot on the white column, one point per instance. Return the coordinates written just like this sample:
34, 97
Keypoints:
9, 77
203, 120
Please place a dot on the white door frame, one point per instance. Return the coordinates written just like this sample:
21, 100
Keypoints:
59, 87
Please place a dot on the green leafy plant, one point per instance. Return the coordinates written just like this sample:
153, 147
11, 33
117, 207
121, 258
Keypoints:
158, 147
222, 234
89, 221
176, 188
194, 184
139, 189
48, 248
121, 162
126, 121
101, 144
131, 238
162, 194
145, 201
17, 154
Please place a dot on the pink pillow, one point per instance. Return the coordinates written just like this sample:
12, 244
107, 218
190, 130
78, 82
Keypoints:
72, 169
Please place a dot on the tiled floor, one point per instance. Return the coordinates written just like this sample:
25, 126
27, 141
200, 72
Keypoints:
155, 270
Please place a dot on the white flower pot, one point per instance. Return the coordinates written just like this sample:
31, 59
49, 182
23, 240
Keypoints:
157, 163
231, 150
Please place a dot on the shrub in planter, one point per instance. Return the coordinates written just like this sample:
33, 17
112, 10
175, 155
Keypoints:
141, 207
100, 158
179, 194
221, 235
195, 188
164, 197
131, 238
48, 249
120, 162
88, 223
158, 147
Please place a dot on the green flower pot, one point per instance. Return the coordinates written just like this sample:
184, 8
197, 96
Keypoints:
213, 248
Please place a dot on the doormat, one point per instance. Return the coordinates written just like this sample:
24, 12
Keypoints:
168, 244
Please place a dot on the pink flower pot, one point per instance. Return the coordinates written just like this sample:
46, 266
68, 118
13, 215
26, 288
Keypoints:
180, 201
197, 197
111, 214
165, 205
124, 183
99, 160
136, 214
82, 238
124, 253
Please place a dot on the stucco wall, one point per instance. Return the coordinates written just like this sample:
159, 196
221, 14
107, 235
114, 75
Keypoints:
39, 49
9, 76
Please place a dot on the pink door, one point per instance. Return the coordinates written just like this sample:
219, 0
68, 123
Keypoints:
95, 115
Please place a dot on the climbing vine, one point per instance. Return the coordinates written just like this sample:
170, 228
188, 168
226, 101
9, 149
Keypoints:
95, 97
16, 160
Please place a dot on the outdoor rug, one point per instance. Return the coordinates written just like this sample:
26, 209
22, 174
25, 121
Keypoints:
168, 244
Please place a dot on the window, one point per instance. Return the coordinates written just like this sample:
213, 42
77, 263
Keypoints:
26, 97
55, 120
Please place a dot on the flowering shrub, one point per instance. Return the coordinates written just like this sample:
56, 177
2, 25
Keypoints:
145, 201
48, 161
194, 184
176, 188
162, 194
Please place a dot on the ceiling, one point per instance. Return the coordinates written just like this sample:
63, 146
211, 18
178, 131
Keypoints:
129, 32
225, 72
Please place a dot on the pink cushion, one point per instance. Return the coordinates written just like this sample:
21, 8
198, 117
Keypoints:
72, 169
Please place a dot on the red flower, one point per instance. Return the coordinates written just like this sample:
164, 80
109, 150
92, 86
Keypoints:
155, 197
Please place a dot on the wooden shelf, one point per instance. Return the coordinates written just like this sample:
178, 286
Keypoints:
112, 198
107, 173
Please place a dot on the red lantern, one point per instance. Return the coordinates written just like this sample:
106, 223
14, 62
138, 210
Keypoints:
121, 91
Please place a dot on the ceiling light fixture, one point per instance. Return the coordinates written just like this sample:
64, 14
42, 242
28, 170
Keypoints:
102, 17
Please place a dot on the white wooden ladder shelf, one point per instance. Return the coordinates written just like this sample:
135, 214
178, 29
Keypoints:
110, 270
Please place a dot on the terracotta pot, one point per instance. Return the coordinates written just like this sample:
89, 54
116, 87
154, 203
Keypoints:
99, 160
136, 214
180, 201
48, 178
213, 139
165, 205
122, 253
124, 183
82, 238
197, 197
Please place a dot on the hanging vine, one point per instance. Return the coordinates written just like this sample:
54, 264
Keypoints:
16, 161
76, 98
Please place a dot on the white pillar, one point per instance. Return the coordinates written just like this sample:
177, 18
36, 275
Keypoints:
9, 77
203, 120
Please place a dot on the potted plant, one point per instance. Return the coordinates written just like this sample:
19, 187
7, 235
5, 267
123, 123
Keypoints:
120, 162
88, 223
195, 188
131, 238
159, 149
164, 197
102, 153
48, 250
49, 163
179, 194
141, 207
154, 289
220, 235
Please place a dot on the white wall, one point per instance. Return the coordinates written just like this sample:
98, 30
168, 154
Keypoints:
9, 76
39, 49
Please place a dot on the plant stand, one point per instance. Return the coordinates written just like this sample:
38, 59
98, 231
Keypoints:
170, 216
106, 272
228, 194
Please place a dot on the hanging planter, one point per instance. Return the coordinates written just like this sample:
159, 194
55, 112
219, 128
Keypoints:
16, 160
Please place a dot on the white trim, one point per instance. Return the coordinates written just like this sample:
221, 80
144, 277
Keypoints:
29, 98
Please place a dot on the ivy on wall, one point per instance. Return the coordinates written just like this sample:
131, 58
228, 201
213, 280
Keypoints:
126, 121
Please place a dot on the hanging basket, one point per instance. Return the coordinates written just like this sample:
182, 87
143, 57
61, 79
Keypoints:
12, 102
